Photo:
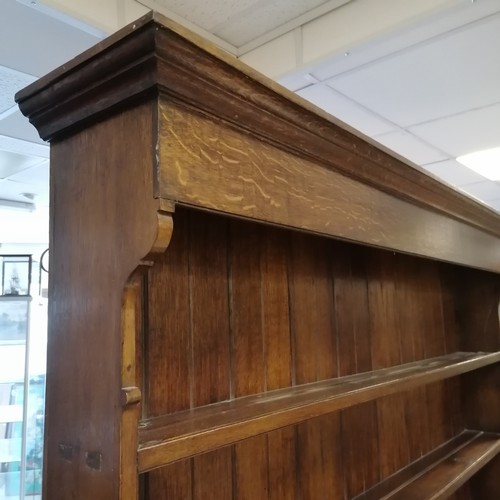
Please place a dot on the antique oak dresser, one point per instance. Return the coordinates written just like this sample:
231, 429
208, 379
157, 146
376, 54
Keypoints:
250, 300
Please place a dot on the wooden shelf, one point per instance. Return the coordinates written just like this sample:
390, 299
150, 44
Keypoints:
441, 472
169, 438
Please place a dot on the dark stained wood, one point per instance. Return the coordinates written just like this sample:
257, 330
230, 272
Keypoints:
267, 362
386, 351
212, 475
485, 483
155, 53
447, 476
226, 170
93, 252
440, 473
169, 438
248, 355
281, 443
167, 363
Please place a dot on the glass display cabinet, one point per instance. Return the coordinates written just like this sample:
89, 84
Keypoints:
21, 413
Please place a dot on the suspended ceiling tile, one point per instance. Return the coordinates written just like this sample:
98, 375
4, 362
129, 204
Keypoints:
12, 163
445, 76
464, 133
10, 82
261, 18
295, 81
454, 173
37, 175
444, 18
41, 42
486, 190
345, 110
15, 191
16, 125
208, 15
411, 147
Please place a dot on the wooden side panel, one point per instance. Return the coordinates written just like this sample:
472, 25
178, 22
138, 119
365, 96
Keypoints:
103, 222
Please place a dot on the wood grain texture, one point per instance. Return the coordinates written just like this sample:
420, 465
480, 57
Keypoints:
94, 249
155, 53
438, 474
449, 475
485, 483
183, 434
258, 347
299, 308
211, 165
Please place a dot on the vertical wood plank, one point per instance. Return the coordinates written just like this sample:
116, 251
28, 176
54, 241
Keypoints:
167, 344
368, 412
210, 355
209, 309
167, 341
386, 351
248, 358
434, 332
282, 464
275, 308
409, 309
319, 468
212, 475
278, 357
358, 434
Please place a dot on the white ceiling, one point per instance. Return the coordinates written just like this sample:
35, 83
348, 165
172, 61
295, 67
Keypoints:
429, 90
31, 44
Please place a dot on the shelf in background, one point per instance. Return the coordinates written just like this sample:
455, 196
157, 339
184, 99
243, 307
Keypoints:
440, 473
169, 438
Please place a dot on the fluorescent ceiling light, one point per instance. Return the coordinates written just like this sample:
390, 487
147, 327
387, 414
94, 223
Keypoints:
485, 163
17, 205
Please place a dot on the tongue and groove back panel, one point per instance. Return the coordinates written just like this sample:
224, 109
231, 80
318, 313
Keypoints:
238, 308
223, 320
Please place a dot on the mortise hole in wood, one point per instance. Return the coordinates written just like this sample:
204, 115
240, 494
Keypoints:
93, 460
66, 451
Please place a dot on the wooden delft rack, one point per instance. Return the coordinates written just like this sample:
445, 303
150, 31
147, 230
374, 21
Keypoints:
249, 300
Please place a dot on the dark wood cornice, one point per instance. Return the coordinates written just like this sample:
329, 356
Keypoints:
156, 55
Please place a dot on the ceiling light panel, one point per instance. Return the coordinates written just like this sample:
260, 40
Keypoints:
485, 163
445, 76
